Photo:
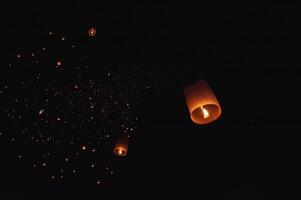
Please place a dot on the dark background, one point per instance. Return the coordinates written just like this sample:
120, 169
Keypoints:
248, 54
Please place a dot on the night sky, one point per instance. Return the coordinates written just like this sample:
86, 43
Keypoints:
67, 96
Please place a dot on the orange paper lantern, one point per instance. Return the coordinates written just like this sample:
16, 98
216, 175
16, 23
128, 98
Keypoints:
121, 147
202, 103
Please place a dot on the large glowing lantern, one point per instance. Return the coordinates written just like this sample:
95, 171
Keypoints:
121, 147
202, 103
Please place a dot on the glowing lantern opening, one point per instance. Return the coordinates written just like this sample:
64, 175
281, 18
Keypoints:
92, 32
121, 147
202, 103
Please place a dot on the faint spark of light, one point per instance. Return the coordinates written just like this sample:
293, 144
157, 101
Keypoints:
41, 112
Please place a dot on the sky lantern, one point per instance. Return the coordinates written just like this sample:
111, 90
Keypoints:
92, 32
58, 63
121, 147
202, 103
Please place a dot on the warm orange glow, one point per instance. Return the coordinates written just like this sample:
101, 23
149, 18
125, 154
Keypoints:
121, 147
59, 63
202, 103
92, 32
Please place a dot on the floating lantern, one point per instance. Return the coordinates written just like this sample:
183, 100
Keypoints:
121, 147
59, 63
202, 103
92, 32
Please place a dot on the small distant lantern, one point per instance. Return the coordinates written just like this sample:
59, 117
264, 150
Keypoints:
121, 147
59, 63
202, 103
92, 32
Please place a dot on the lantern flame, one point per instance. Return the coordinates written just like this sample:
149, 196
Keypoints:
205, 113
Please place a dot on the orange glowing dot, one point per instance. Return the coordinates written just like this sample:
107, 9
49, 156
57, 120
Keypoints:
92, 32
50, 33
84, 148
58, 63
63, 38
18, 55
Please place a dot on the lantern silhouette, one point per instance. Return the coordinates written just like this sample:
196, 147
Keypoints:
92, 32
202, 103
121, 147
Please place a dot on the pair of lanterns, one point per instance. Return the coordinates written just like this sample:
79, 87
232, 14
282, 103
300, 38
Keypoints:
202, 105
